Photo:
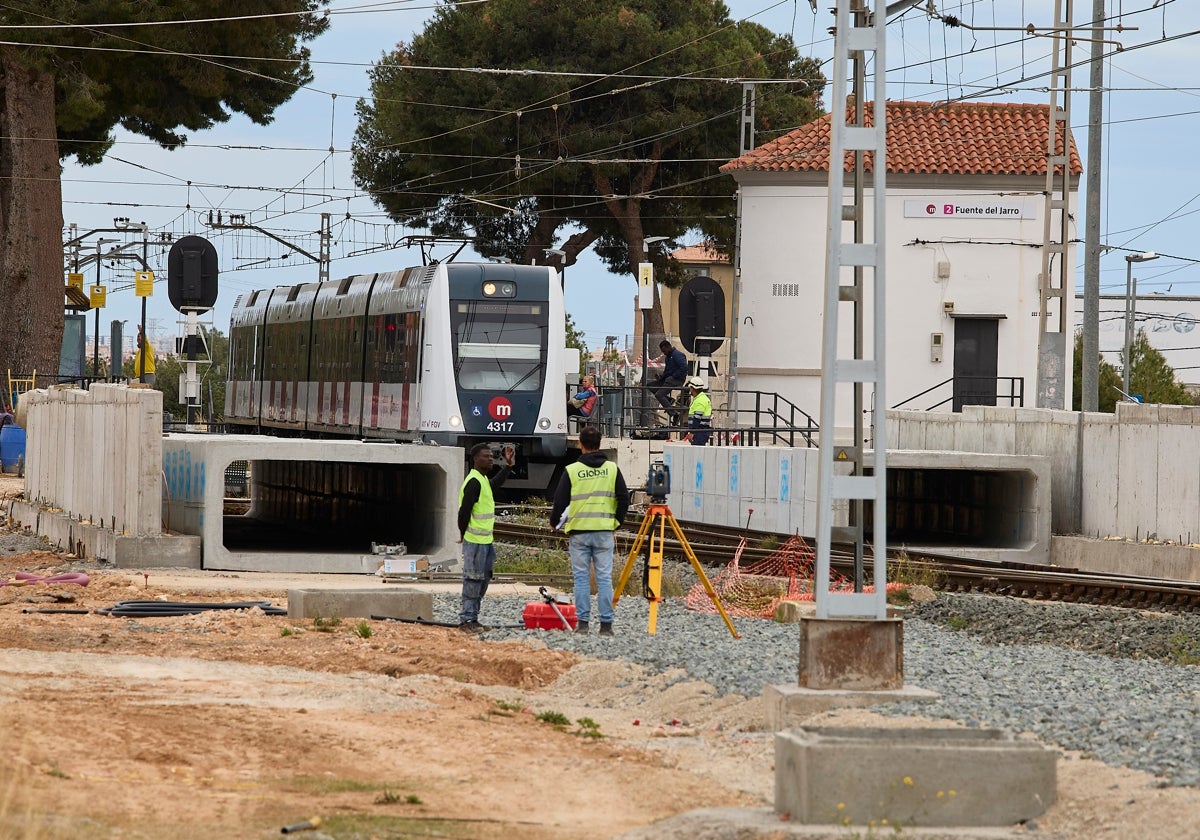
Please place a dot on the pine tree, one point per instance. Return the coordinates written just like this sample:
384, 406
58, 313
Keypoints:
1151, 378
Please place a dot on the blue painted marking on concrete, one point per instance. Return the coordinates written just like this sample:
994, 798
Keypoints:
699, 481
785, 479
733, 474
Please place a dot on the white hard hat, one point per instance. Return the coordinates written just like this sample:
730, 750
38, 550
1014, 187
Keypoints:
697, 383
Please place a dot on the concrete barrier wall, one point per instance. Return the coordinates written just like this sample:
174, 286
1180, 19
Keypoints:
97, 456
1136, 475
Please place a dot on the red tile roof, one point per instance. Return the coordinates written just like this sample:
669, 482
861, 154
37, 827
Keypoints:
958, 138
703, 252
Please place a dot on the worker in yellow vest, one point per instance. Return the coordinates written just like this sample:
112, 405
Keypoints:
143, 362
476, 516
594, 498
699, 413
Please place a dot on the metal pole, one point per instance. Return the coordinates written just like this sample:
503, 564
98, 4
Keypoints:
96, 340
1090, 398
1128, 323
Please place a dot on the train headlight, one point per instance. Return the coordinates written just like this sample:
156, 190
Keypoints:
543, 423
455, 421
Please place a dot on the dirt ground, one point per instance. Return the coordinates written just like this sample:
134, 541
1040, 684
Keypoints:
219, 725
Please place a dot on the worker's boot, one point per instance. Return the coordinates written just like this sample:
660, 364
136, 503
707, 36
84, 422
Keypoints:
606, 628
581, 627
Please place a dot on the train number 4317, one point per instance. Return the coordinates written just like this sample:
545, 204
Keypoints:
500, 426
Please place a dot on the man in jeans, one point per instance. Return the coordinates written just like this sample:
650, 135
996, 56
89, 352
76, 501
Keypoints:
593, 495
476, 516
675, 370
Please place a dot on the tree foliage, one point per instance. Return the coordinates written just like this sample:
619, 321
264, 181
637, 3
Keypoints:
1150, 377
64, 89
612, 158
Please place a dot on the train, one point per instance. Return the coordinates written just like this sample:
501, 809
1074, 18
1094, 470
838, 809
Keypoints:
452, 354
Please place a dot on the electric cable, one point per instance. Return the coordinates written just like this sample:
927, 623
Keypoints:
24, 578
160, 609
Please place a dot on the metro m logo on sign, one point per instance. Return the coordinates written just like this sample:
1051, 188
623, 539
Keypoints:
500, 408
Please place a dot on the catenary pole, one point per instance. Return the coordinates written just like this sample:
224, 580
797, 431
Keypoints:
1090, 398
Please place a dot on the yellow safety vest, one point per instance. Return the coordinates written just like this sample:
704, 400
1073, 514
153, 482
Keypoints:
483, 515
593, 497
145, 352
701, 410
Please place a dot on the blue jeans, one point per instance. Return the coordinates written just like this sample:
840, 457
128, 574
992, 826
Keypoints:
478, 561
592, 549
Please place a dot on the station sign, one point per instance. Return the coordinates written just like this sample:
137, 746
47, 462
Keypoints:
945, 207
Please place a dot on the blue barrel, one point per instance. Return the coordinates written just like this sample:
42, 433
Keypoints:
12, 447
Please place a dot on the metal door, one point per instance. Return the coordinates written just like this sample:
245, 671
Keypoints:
975, 350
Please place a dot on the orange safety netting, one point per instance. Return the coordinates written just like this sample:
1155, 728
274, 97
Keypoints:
755, 591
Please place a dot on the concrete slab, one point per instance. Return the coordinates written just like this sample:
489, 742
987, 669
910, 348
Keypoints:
121, 550
359, 603
766, 824
1120, 557
917, 777
789, 706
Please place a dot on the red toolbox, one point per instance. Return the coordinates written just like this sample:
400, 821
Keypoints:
540, 615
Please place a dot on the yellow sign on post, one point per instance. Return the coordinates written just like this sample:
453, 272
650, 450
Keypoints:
645, 285
75, 280
96, 296
143, 284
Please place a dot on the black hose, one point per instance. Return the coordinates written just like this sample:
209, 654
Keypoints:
159, 609
58, 612
418, 620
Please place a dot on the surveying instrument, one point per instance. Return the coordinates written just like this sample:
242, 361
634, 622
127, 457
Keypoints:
654, 526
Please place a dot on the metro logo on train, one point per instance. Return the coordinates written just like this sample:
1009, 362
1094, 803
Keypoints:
500, 408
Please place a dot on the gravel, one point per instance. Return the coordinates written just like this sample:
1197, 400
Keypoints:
1121, 686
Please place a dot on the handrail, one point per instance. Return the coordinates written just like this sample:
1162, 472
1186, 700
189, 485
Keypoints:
1015, 395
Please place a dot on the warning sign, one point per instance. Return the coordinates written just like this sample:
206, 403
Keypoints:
843, 454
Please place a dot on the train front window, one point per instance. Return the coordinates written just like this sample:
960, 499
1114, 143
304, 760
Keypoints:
499, 347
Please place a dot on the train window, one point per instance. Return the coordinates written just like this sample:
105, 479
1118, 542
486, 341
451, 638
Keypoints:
344, 286
253, 299
294, 293
499, 288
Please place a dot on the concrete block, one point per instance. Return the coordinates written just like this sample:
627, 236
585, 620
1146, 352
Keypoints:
359, 603
912, 777
124, 551
859, 654
788, 706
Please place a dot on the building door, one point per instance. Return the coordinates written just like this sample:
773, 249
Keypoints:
975, 348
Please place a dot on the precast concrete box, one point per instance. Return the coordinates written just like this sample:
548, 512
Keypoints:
313, 505
911, 777
851, 654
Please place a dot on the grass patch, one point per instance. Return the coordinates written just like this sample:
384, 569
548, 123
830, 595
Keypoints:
554, 719
914, 571
363, 629
534, 561
320, 785
326, 625
288, 631
957, 622
588, 728
1184, 650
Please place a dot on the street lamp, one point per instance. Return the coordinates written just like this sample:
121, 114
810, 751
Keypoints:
646, 305
1130, 306
561, 256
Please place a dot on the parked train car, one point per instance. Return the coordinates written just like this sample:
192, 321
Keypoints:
454, 354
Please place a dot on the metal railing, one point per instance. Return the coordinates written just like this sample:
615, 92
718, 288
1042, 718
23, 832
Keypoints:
761, 418
975, 390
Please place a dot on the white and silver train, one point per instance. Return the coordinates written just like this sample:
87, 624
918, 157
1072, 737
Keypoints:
454, 354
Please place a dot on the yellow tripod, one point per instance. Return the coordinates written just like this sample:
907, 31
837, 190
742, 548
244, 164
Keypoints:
661, 514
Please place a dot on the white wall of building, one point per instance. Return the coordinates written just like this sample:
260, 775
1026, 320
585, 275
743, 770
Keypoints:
982, 264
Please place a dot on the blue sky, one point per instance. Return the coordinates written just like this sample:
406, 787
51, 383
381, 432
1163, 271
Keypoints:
282, 176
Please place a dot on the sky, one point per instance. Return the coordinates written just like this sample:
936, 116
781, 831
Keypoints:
281, 177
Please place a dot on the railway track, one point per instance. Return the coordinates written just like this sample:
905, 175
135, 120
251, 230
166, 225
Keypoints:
715, 546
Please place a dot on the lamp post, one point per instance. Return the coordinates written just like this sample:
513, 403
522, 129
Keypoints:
561, 257
1130, 307
646, 303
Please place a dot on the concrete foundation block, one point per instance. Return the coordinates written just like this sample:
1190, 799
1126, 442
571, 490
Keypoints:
789, 706
790, 612
852, 654
121, 550
912, 777
359, 603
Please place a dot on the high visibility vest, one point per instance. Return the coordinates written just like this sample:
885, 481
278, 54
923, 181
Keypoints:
483, 515
700, 412
593, 497
143, 362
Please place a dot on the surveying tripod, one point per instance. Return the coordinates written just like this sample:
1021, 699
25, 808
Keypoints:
659, 513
